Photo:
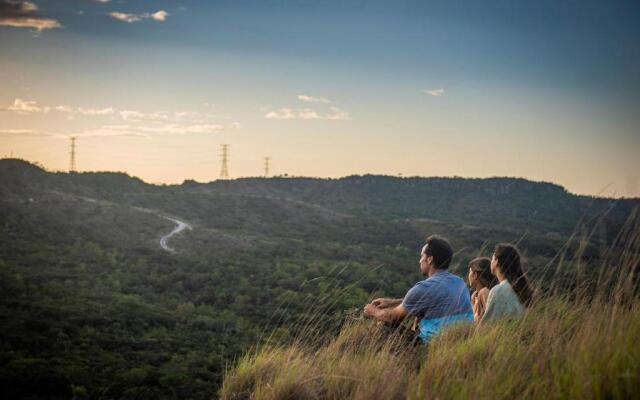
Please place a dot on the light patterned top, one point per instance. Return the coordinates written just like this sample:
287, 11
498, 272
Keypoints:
503, 302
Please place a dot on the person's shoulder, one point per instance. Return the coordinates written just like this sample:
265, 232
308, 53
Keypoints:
420, 285
446, 282
495, 290
434, 281
426, 286
451, 278
502, 289
504, 285
442, 275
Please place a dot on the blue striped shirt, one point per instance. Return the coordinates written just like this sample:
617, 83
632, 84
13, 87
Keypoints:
438, 301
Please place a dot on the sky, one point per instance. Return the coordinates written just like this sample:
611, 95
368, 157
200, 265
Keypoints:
544, 90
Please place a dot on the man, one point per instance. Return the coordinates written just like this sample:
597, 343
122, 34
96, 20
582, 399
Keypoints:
441, 299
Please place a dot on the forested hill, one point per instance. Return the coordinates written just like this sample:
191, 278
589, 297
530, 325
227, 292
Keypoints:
508, 202
500, 202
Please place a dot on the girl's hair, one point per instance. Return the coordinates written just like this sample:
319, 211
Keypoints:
510, 265
482, 267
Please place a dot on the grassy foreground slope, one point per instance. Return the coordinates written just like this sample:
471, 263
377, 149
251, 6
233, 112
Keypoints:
581, 344
559, 350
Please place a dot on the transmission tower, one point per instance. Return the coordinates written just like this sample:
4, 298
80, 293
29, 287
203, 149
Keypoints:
224, 171
72, 160
266, 166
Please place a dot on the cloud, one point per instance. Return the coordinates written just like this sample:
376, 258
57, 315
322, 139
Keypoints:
335, 114
182, 115
144, 131
181, 129
331, 114
26, 107
106, 130
311, 99
64, 109
134, 123
435, 92
124, 17
20, 132
73, 112
111, 131
102, 1
283, 113
308, 113
94, 111
159, 15
338, 115
129, 115
24, 14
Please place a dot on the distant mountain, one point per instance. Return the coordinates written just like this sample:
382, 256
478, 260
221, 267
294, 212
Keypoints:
499, 202
502, 202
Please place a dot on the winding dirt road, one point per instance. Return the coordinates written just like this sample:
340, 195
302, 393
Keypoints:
180, 226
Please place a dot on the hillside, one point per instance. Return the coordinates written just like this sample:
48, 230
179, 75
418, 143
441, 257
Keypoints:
506, 202
91, 306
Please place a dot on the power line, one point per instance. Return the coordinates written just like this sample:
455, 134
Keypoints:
72, 161
224, 171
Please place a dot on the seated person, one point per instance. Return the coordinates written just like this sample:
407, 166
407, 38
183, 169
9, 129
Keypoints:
441, 299
510, 297
481, 280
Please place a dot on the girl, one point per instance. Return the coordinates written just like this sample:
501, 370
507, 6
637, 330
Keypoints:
481, 280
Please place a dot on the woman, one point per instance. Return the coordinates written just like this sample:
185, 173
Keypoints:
510, 297
481, 280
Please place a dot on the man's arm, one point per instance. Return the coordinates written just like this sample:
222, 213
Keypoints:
386, 302
388, 314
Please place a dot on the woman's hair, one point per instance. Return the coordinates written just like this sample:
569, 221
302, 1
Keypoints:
510, 265
482, 267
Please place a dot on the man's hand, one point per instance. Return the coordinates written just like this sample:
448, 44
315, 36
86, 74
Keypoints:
387, 314
370, 309
386, 302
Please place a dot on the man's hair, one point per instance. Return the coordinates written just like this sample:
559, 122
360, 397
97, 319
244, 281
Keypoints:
440, 249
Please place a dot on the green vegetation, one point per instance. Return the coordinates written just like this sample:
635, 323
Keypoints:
91, 307
561, 349
578, 346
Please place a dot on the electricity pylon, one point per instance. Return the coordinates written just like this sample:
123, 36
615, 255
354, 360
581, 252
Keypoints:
72, 153
266, 166
224, 171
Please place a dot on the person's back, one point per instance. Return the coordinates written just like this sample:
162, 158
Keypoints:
438, 301
503, 302
510, 297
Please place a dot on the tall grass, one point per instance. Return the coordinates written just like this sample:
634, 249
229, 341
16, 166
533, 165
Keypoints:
580, 343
